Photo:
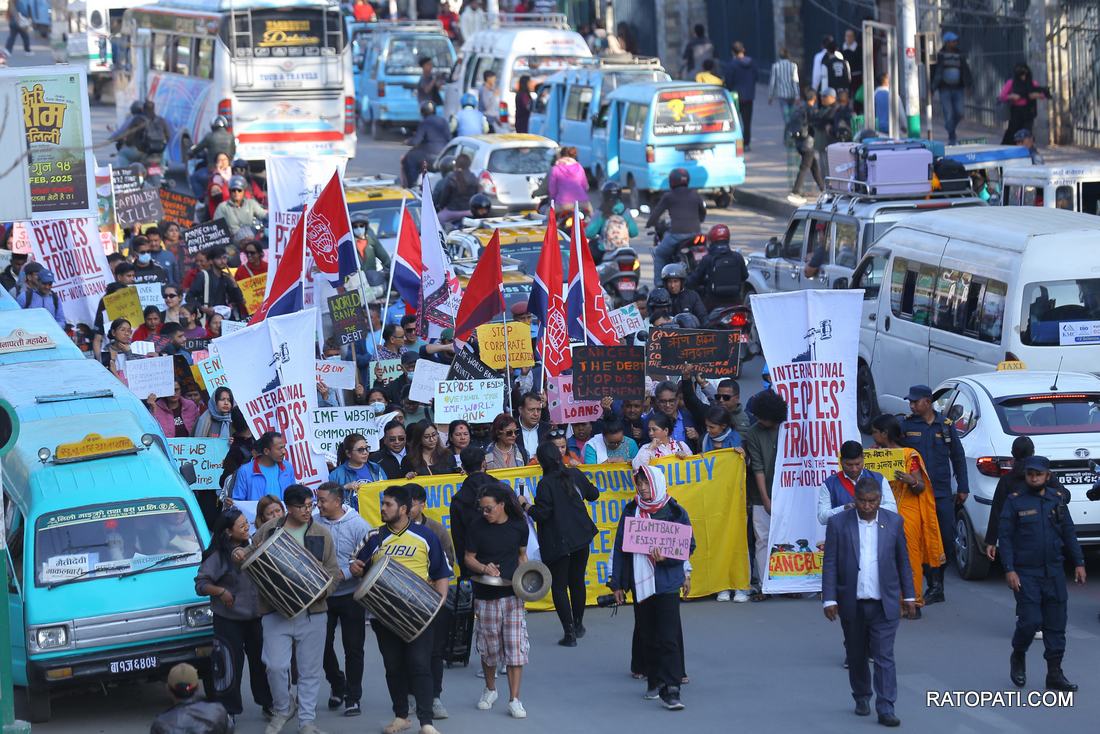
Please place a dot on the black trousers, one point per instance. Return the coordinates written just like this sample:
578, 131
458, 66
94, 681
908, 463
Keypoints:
637, 647
658, 620
746, 120
567, 587
1019, 118
441, 627
809, 165
408, 669
236, 640
343, 610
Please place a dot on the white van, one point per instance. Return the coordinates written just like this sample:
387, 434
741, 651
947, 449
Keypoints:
525, 44
1075, 187
955, 292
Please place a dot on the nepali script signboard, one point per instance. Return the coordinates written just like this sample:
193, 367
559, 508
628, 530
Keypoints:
715, 354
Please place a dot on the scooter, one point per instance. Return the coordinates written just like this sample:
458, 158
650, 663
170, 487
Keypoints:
690, 250
739, 319
619, 274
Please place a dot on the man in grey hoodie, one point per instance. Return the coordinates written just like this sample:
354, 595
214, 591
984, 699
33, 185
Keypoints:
349, 531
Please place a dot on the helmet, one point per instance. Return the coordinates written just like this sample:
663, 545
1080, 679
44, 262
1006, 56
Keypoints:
658, 298
468, 100
678, 177
219, 121
446, 164
611, 190
686, 320
136, 108
481, 206
673, 270
719, 233
237, 182
138, 169
427, 109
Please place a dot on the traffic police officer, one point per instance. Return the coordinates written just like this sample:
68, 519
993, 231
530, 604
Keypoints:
1036, 529
935, 439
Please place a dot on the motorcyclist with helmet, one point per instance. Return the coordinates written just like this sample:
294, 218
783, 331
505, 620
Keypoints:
127, 135
456, 190
674, 277
218, 140
239, 212
254, 190
721, 275
607, 217
481, 207
686, 211
469, 120
432, 135
658, 306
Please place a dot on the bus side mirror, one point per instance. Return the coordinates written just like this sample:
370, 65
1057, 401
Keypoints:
771, 249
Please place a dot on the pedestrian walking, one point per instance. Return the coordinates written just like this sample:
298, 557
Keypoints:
853, 54
800, 133
783, 84
837, 493
19, 24
1022, 94
951, 78
740, 73
698, 49
761, 446
864, 572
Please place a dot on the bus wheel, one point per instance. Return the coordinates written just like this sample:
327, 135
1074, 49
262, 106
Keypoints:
35, 705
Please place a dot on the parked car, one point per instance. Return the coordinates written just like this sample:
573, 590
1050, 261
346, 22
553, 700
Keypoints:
511, 167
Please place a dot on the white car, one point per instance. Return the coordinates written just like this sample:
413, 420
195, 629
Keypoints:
511, 168
1059, 412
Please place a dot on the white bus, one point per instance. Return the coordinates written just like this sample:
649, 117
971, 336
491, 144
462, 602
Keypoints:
280, 74
87, 27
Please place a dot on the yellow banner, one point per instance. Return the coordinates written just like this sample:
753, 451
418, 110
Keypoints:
253, 291
490, 341
710, 487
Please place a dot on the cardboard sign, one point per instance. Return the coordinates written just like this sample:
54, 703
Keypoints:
476, 401
349, 319
467, 366
151, 376
884, 461
490, 341
178, 208
627, 320
204, 454
228, 327
641, 534
714, 353
199, 237
149, 294
391, 370
253, 291
125, 303
617, 372
336, 373
564, 407
331, 425
425, 376
135, 203
143, 349
212, 373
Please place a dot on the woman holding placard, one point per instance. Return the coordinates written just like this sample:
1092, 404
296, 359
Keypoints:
118, 345
661, 442
425, 454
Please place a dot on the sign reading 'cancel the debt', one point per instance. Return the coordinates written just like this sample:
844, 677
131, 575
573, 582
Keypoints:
614, 371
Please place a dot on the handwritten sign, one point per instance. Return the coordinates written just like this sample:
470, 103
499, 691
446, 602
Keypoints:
490, 340
178, 208
253, 291
885, 461
466, 366
201, 236
331, 425
564, 407
713, 353
125, 303
228, 327
615, 371
641, 534
336, 373
204, 454
627, 320
212, 373
391, 370
149, 294
425, 376
151, 376
476, 401
349, 320
135, 202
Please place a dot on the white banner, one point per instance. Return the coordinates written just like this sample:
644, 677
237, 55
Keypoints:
271, 366
151, 376
332, 425
476, 401
336, 373
810, 341
72, 251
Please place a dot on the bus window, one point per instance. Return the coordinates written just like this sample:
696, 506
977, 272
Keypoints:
204, 58
158, 56
1063, 198
1032, 196
181, 56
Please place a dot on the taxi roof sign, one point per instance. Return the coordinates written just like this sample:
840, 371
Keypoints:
93, 446
1011, 365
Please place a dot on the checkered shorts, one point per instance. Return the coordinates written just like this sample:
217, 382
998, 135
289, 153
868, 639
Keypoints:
502, 631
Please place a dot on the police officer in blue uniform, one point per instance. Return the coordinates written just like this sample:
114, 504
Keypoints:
935, 439
1036, 532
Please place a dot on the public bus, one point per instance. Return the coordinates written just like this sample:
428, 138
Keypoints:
86, 28
280, 74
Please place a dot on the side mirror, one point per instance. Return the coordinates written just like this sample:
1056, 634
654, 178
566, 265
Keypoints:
771, 249
187, 471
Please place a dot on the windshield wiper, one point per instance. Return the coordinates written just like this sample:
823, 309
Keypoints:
154, 564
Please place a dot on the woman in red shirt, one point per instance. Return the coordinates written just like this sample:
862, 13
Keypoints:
254, 263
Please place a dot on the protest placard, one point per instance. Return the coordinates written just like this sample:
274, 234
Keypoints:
136, 202
476, 401
178, 208
228, 327
149, 294
253, 291
198, 238
124, 304
884, 461
490, 341
390, 370
564, 407
349, 320
212, 373
336, 373
331, 425
616, 371
204, 454
142, 348
196, 345
641, 534
466, 366
627, 320
151, 376
712, 353
71, 250
425, 375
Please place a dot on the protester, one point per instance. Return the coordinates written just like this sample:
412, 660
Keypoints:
146, 270
464, 508
567, 182
118, 347
837, 493
37, 292
174, 342
524, 100
354, 466
761, 447
234, 601
458, 437
214, 286
175, 414
425, 454
10, 275
503, 452
172, 304
557, 437
188, 713
188, 319
269, 473
661, 442
392, 452
267, 509
254, 262
666, 400
611, 445
151, 326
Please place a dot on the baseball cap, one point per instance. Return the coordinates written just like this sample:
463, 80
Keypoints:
183, 680
1021, 134
45, 277
828, 92
519, 309
33, 267
409, 358
916, 392
949, 36
1036, 463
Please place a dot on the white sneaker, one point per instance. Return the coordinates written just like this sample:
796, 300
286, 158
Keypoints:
723, 596
1038, 634
488, 698
310, 728
278, 721
515, 708
740, 596
796, 199
439, 711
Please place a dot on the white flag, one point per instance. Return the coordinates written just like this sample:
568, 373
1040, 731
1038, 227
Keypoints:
440, 292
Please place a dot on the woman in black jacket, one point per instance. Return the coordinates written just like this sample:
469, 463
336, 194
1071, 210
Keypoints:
565, 530
464, 502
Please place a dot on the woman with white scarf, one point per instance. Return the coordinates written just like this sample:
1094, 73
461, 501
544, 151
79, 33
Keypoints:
655, 582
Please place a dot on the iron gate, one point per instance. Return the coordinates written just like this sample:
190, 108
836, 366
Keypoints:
1073, 58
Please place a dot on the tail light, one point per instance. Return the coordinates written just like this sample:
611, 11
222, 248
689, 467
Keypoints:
994, 466
740, 147
650, 154
738, 319
381, 89
503, 112
225, 109
488, 186
349, 115
628, 264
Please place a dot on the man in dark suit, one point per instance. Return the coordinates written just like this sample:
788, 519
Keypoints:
392, 451
865, 573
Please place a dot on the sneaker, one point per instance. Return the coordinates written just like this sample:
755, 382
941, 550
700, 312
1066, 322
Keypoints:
740, 596
309, 728
428, 729
268, 712
515, 708
278, 721
723, 596
232, 722
334, 701
488, 698
651, 694
352, 709
398, 724
439, 711
796, 199
1038, 634
671, 699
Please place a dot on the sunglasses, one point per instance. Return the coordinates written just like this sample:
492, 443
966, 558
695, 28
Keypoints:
362, 449
171, 295
233, 191
509, 432
724, 398
556, 434
487, 509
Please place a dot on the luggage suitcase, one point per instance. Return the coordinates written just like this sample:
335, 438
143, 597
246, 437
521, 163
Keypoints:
951, 175
460, 631
894, 168
841, 161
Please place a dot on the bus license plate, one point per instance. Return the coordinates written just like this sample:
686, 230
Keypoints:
134, 665
699, 154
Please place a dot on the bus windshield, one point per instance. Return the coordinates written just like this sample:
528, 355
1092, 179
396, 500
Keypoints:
288, 32
540, 67
692, 110
403, 54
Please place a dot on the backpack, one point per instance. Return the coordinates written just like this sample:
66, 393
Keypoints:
27, 299
155, 136
725, 278
840, 76
616, 233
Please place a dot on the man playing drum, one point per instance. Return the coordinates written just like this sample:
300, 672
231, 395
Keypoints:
408, 664
305, 631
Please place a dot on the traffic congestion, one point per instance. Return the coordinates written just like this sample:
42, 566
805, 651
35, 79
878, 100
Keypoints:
360, 362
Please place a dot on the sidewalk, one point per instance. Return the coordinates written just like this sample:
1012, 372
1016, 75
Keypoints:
771, 166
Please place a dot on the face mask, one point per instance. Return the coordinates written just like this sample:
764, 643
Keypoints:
359, 232
333, 358
534, 331
377, 408
144, 258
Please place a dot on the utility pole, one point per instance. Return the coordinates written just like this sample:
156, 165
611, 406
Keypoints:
910, 81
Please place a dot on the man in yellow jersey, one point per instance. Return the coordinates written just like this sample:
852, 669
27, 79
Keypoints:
408, 664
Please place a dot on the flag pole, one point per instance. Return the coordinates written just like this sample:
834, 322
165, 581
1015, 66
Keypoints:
302, 275
507, 361
580, 268
393, 260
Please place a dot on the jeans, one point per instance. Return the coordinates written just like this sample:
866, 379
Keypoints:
785, 107
408, 668
13, 31
666, 252
761, 526
953, 102
305, 635
746, 120
568, 587
440, 629
809, 164
658, 619
351, 616
236, 640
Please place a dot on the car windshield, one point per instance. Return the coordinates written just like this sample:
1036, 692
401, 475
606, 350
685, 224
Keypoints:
529, 160
692, 110
404, 53
1061, 313
108, 540
1050, 414
528, 255
383, 220
617, 79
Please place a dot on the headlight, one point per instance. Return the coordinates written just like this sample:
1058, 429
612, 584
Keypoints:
200, 616
49, 638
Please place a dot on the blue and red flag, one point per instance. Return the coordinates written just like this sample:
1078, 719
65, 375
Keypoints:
286, 291
587, 315
546, 302
407, 266
328, 233
484, 296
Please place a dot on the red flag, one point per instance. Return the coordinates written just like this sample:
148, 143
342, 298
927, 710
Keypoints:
406, 262
548, 305
328, 233
588, 317
484, 296
286, 294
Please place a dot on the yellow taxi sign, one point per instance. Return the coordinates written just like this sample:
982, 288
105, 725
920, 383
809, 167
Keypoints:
1011, 365
93, 446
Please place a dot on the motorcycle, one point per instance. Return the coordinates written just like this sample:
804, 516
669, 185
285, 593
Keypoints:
689, 250
619, 275
738, 319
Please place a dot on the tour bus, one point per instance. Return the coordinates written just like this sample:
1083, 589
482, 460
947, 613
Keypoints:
1075, 187
104, 536
281, 74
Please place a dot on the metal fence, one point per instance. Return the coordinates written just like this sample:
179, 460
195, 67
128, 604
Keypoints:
1073, 58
